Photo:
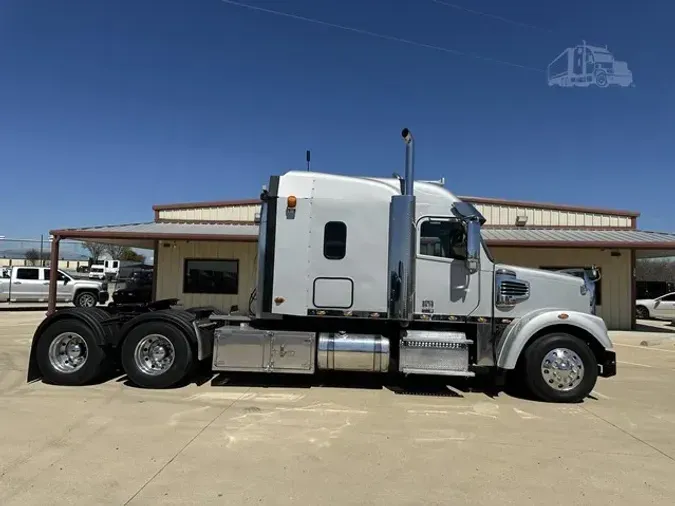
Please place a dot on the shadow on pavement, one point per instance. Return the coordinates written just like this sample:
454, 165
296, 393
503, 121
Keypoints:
665, 327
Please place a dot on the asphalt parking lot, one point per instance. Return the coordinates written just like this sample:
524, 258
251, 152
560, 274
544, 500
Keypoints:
204, 444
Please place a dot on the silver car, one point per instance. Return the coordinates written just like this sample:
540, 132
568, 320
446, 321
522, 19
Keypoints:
31, 284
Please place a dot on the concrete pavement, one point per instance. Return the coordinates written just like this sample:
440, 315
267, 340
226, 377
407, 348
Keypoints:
116, 444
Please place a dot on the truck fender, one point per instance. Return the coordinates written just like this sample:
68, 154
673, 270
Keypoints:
181, 319
522, 331
94, 318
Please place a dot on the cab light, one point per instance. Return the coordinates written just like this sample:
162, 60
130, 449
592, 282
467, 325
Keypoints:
291, 201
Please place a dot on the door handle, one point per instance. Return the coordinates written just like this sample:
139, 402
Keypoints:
46, 283
17, 282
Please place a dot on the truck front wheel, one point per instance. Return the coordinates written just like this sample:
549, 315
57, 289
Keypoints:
156, 355
67, 354
560, 368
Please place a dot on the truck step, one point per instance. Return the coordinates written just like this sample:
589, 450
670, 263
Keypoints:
435, 352
440, 372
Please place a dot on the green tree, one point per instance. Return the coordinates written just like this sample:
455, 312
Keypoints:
132, 256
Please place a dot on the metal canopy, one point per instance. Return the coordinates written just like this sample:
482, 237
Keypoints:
143, 235
579, 238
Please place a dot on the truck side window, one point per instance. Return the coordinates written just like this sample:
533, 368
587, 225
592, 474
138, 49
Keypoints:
27, 274
59, 275
335, 240
445, 239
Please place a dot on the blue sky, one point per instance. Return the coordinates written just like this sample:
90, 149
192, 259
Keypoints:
108, 107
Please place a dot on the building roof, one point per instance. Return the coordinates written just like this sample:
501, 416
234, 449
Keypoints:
579, 238
144, 235
473, 200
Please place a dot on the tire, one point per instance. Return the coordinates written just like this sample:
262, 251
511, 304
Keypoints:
541, 380
86, 299
601, 79
57, 354
642, 313
168, 366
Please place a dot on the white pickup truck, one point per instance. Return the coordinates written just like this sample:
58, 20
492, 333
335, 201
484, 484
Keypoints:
31, 284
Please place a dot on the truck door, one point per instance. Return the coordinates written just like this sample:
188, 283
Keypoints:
443, 284
27, 285
64, 291
665, 306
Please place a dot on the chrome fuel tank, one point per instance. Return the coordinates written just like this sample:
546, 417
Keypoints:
353, 352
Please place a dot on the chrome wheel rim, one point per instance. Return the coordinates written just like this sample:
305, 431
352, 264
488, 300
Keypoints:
562, 369
87, 300
68, 352
154, 354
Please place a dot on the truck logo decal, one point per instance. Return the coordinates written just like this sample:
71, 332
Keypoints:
584, 65
427, 306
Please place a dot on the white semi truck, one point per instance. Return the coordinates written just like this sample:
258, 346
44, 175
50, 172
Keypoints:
360, 274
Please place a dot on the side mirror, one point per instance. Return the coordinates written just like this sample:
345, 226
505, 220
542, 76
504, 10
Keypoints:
473, 241
594, 274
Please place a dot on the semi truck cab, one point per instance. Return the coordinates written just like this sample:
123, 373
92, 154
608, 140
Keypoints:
358, 274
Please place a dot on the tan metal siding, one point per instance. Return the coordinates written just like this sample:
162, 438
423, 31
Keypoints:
616, 307
501, 215
171, 261
244, 212
495, 215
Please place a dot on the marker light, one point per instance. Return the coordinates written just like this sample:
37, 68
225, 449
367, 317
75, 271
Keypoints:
291, 201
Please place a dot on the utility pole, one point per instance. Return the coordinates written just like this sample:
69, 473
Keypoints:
42, 243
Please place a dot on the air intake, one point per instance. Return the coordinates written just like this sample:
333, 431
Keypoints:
509, 289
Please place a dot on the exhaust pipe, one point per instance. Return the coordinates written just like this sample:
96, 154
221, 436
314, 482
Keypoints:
409, 161
401, 261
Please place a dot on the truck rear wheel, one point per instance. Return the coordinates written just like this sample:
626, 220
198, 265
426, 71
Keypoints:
560, 368
68, 354
157, 355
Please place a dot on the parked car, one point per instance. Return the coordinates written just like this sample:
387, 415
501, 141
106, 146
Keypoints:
97, 272
660, 308
111, 268
138, 289
31, 284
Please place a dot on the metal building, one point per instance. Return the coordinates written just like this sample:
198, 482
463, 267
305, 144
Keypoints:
205, 252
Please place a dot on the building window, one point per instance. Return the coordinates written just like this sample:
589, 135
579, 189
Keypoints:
579, 274
444, 239
335, 240
211, 276
27, 274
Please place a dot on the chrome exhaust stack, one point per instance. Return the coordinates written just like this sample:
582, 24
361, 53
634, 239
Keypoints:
401, 261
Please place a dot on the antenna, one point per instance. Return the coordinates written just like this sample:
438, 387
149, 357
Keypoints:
308, 156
